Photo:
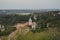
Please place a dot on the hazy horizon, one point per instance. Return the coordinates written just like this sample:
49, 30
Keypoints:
29, 4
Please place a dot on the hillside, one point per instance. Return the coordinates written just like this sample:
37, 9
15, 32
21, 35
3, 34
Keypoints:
50, 34
17, 27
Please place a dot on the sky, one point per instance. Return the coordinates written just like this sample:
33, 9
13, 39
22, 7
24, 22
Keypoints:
29, 4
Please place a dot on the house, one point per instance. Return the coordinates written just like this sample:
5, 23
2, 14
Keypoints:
32, 23
59, 13
2, 28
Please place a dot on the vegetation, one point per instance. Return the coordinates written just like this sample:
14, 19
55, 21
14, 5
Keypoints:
50, 34
48, 26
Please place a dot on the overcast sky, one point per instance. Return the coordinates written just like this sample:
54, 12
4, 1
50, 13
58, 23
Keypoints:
29, 4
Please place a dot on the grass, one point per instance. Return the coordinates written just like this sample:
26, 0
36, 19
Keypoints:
50, 34
4, 38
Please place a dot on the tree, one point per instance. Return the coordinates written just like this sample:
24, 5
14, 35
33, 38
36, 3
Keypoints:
7, 31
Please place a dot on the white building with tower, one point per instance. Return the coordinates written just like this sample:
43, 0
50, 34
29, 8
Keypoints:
32, 24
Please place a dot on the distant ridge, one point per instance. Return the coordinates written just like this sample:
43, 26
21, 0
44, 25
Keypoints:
14, 11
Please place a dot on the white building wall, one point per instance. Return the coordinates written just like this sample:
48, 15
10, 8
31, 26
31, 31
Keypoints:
30, 21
